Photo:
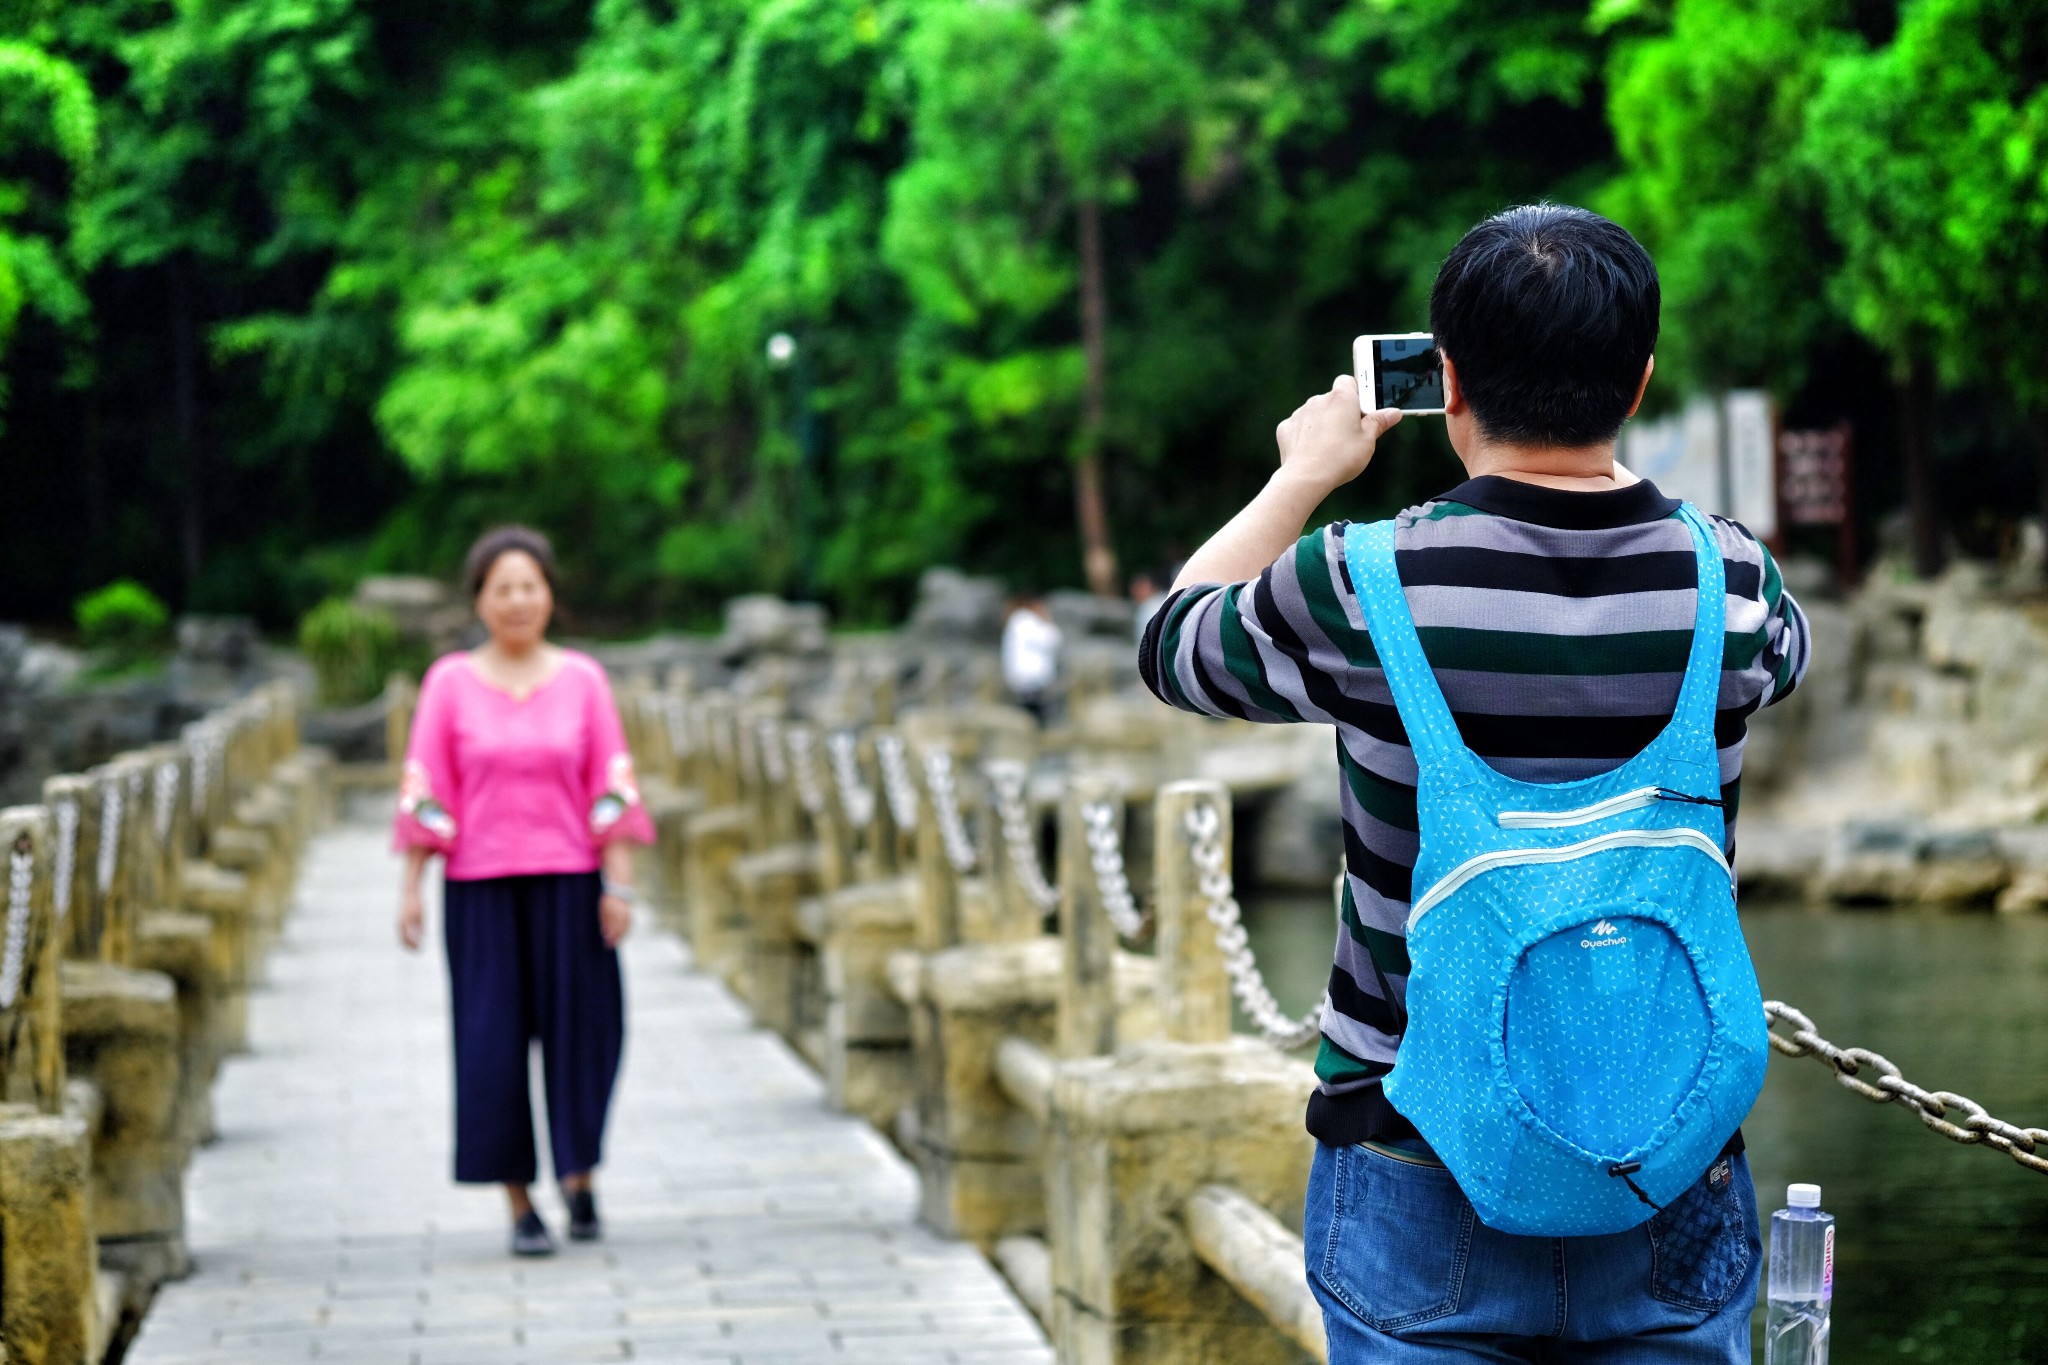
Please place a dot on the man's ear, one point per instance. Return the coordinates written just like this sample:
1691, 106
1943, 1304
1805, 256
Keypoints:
1454, 396
1649, 368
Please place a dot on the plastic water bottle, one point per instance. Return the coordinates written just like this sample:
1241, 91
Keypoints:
1802, 1285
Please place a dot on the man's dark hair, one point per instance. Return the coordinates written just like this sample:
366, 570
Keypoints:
503, 540
1549, 313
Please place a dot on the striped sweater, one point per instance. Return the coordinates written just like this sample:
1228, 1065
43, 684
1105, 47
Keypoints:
1558, 625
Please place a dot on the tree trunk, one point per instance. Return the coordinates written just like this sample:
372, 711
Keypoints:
185, 419
1098, 559
1916, 397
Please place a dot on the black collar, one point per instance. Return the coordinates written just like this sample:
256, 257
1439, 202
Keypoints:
1634, 505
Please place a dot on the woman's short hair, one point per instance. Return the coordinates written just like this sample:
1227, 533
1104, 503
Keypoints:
503, 540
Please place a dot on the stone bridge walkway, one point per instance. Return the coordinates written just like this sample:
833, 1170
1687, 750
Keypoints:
747, 1223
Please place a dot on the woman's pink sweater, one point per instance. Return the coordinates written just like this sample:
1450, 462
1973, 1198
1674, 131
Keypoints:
506, 787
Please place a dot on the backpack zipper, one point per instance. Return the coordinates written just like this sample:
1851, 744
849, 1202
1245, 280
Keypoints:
1599, 810
1583, 815
1451, 881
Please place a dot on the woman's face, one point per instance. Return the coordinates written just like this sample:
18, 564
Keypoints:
515, 602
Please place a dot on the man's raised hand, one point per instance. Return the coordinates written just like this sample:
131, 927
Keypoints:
1328, 442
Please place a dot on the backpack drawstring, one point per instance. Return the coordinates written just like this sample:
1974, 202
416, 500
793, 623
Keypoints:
1624, 1169
1669, 794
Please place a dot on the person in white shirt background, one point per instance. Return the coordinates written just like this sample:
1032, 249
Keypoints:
1031, 653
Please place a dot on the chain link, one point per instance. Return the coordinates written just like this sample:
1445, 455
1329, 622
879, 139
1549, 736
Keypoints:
2027, 1146
896, 783
202, 769
21, 868
676, 718
938, 775
768, 751
66, 859
164, 796
111, 803
1008, 782
803, 765
1100, 821
856, 798
1247, 983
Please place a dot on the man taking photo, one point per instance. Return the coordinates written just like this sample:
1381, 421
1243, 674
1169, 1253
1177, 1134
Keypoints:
1539, 1035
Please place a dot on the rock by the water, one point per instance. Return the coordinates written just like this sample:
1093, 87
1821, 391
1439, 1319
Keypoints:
760, 623
953, 606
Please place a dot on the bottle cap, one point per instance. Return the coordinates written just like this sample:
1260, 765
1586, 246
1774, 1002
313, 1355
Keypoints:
1803, 1196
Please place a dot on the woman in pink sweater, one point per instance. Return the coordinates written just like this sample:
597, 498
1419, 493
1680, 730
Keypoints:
517, 775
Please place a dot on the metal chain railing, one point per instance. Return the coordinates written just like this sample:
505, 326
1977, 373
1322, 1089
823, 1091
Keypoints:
1247, 983
896, 783
938, 776
112, 799
2027, 1146
164, 797
803, 766
64, 864
768, 751
675, 717
21, 869
856, 797
1100, 821
199, 747
1009, 782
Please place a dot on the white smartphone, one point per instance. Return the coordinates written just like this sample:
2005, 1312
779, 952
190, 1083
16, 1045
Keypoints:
1401, 370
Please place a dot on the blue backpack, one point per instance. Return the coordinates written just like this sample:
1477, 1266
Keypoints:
1584, 1029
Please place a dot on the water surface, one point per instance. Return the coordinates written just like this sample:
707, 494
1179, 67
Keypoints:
1941, 1250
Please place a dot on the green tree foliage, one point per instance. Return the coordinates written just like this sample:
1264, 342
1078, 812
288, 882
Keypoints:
346, 280
1708, 114
1933, 152
45, 108
352, 649
124, 620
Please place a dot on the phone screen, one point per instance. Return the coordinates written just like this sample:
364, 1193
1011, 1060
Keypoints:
1407, 373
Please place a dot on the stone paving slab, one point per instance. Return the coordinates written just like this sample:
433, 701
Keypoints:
747, 1223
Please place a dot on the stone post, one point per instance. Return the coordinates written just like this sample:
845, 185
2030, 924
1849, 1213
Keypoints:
713, 841
770, 885
828, 823
867, 1057
121, 1031
976, 1151
401, 699
31, 946
1132, 1139
1087, 1004
938, 880
1194, 990
49, 1311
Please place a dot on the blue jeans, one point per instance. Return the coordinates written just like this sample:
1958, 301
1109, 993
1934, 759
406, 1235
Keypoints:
1407, 1274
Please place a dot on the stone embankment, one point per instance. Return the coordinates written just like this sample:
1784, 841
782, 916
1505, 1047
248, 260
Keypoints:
1912, 766
141, 896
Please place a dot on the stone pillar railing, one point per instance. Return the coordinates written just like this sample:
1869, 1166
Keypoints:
1084, 1113
118, 938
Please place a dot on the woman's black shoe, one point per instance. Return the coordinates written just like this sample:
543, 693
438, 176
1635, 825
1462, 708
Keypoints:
530, 1236
584, 1225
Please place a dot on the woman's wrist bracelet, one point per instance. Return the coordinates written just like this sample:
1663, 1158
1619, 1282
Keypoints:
623, 892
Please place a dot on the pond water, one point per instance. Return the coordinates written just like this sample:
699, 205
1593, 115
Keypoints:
1941, 1251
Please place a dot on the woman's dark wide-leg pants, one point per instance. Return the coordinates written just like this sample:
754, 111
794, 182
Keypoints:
526, 961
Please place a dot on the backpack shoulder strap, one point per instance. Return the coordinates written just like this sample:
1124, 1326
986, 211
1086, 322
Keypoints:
1699, 695
1369, 557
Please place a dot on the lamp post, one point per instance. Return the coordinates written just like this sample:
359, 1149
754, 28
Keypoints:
784, 353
